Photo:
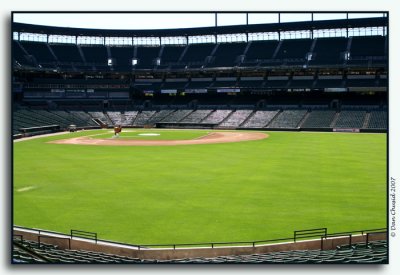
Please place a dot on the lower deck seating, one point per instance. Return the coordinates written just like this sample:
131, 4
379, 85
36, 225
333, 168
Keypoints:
237, 118
101, 116
350, 119
319, 119
376, 252
26, 118
143, 117
130, 117
217, 116
377, 120
260, 119
116, 118
196, 116
159, 116
177, 116
83, 116
122, 118
52, 254
288, 119
279, 118
70, 118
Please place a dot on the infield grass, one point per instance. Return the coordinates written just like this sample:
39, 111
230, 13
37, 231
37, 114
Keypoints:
251, 190
152, 134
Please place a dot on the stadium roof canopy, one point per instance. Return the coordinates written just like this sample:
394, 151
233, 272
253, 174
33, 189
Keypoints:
250, 28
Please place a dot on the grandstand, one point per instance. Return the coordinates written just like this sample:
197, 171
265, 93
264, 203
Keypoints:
343, 252
98, 96
29, 252
259, 119
375, 253
236, 118
316, 76
319, 119
284, 119
288, 119
377, 120
143, 117
350, 119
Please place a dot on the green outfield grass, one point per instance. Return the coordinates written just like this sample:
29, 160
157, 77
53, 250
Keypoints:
242, 191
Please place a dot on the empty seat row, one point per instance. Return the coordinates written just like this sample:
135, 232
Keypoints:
260, 119
236, 118
319, 51
359, 253
372, 252
52, 254
350, 119
288, 119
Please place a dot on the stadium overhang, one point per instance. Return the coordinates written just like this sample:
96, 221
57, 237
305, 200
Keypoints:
251, 28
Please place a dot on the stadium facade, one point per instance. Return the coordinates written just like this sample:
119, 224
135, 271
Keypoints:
318, 75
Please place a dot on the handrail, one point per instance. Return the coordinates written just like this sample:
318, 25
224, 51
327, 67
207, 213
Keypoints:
359, 231
372, 233
207, 244
350, 235
308, 233
213, 244
39, 231
370, 230
19, 235
86, 234
31, 252
335, 235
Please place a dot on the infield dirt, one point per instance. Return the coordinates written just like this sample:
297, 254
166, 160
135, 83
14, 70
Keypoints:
216, 137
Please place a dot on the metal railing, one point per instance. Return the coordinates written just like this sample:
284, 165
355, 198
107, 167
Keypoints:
350, 234
309, 234
85, 234
373, 233
334, 236
213, 244
20, 236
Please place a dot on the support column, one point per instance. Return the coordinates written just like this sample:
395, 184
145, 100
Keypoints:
216, 25
312, 30
279, 21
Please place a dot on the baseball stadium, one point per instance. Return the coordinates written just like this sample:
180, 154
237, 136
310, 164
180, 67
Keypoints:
248, 143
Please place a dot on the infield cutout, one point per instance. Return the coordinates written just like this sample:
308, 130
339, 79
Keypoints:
214, 137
